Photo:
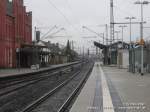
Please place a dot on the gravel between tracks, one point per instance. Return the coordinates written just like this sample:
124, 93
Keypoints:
53, 103
16, 101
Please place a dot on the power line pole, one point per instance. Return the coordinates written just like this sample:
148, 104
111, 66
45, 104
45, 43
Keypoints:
35, 29
122, 27
130, 20
83, 52
117, 32
111, 21
106, 34
141, 41
103, 38
72, 45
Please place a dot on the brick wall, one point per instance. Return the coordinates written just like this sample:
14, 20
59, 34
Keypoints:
15, 29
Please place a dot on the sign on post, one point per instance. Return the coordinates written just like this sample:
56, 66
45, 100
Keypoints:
142, 42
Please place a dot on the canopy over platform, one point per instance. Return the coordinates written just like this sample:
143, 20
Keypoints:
101, 46
113, 45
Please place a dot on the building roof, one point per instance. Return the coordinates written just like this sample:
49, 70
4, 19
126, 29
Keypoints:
118, 42
32, 45
113, 45
54, 48
101, 46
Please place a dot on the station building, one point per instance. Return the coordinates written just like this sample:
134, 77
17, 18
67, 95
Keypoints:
15, 31
116, 53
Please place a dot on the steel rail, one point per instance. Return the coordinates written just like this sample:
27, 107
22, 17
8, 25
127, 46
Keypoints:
66, 104
26, 79
47, 95
22, 75
29, 83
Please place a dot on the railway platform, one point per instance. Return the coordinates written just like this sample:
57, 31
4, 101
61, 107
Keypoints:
95, 94
110, 89
21, 71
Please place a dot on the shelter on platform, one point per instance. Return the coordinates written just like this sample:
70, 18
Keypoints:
115, 53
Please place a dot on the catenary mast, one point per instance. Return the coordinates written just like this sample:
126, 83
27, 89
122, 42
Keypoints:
111, 21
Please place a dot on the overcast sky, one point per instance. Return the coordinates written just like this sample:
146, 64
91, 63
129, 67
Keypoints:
73, 14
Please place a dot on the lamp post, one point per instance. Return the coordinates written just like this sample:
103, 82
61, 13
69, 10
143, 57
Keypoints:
18, 52
117, 32
122, 28
103, 37
130, 20
130, 52
141, 31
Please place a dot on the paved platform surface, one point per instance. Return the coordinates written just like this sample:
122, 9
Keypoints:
85, 99
12, 72
110, 89
133, 89
92, 97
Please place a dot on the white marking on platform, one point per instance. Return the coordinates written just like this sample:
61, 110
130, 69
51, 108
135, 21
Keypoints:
107, 101
84, 101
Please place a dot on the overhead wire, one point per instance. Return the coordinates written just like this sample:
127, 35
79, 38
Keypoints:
128, 13
123, 11
63, 15
71, 10
125, 2
51, 29
74, 16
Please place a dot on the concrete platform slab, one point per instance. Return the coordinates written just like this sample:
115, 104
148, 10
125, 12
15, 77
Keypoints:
133, 89
16, 72
95, 96
84, 101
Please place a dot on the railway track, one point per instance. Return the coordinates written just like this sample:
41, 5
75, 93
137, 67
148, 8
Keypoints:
29, 93
67, 104
12, 99
12, 80
15, 87
47, 95
32, 107
12, 86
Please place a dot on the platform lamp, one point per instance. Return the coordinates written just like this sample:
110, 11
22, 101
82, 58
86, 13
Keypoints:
141, 30
130, 20
122, 28
117, 32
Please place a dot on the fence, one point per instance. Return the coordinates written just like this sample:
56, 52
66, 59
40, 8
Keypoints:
135, 59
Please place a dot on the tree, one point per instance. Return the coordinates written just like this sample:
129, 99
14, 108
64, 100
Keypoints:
68, 48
